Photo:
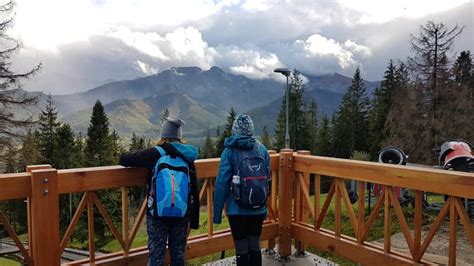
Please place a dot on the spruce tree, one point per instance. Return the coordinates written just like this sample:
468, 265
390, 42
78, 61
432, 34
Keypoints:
323, 145
29, 151
298, 123
464, 72
312, 116
48, 126
10, 98
65, 154
208, 149
117, 149
266, 138
99, 150
381, 105
350, 127
430, 67
227, 131
11, 165
79, 151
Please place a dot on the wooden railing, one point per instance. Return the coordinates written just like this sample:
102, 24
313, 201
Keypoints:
293, 213
455, 185
42, 185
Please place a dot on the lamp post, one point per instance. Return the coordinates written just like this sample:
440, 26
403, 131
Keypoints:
286, 72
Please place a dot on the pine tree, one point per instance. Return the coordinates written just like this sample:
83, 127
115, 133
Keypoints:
350, 128
430, 66
323, 145
79, 152
134, 142
227, 131
29, 152
117, 149
298, 124
11, 98
65, 156
381, 105
208, 149
312, 116
11, 160
266, 139
463, 70
99, 150
48, 126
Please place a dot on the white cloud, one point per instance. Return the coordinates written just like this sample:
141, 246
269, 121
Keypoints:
379, 11
48, 24
145, 68
247, 62
147, 43
182, 46
257, 5
320, 46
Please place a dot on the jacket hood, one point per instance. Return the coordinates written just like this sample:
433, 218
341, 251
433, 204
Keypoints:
241, 142
189, 151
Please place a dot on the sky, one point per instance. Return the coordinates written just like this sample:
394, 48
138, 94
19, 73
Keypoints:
82, 44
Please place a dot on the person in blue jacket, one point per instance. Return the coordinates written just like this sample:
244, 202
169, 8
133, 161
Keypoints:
245, 224
171, 230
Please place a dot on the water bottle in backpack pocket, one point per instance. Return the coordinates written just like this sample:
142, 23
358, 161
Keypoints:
254, 182
170, 187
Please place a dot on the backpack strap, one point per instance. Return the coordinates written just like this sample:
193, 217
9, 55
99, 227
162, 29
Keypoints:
161, 151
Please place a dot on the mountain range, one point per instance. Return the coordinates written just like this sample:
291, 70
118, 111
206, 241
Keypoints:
201, 97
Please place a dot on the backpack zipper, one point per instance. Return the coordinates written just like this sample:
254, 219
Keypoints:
172, 190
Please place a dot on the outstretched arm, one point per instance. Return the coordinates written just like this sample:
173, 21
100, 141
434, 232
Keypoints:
145, 158
222, 190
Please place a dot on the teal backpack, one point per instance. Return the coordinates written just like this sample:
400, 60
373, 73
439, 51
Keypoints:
170, 186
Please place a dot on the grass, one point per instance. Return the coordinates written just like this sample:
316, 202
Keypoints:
376, 232
8, 262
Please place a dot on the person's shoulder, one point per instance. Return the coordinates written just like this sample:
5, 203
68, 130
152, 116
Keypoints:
261, 147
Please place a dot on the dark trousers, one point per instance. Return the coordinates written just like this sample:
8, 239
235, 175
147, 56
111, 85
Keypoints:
161, 231
246, 231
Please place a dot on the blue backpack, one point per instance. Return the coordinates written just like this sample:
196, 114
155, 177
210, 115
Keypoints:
253, 190
170, 186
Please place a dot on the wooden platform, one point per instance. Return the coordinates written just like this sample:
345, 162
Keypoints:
271, 258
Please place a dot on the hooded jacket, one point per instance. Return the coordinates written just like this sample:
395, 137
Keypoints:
226, 171
148, 158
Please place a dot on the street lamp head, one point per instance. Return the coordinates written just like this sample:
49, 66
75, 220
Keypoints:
284, 71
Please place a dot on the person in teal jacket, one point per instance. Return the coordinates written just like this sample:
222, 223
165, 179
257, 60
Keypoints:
245, 224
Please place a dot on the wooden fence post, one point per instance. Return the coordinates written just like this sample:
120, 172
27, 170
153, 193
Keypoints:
303, 212
285, 201
272, 203
29, 169
44, 215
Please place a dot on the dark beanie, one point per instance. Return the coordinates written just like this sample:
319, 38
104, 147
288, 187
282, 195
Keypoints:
171, 128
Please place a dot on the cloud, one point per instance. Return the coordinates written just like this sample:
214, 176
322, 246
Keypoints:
248, 62
383, 11
145, 68
257, 5
119, 40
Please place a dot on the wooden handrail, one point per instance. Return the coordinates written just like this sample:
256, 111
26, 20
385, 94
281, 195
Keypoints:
459, 184
289, 205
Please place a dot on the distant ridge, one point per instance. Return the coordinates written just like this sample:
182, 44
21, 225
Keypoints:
201, 97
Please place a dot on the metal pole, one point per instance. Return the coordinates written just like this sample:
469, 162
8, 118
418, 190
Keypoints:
287, 134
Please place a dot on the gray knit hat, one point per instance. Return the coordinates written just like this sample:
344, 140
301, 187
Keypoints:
243, 126
171, 128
